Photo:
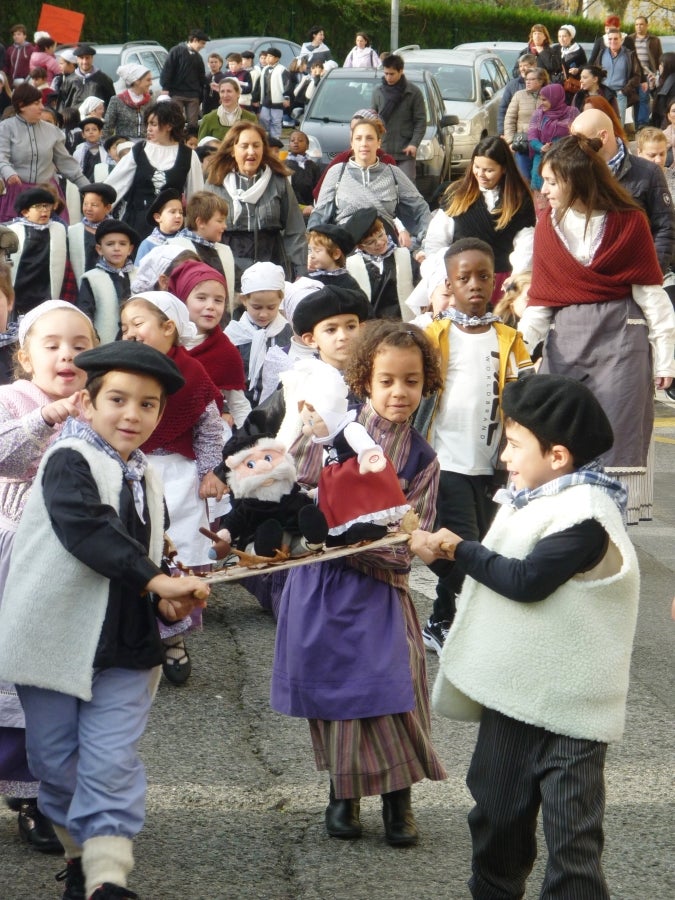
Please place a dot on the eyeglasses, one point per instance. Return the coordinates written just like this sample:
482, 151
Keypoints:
375, 239
41, 206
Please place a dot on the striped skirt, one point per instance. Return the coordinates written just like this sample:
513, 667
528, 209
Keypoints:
381, 754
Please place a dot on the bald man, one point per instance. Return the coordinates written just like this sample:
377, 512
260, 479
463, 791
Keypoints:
643, 180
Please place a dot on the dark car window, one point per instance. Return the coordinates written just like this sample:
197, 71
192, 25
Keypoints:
338, 99
149, 61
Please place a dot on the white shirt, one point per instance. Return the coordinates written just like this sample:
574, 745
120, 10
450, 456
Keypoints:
467, 428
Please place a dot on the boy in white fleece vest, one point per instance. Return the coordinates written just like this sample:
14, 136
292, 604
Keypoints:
96, 516
540, 648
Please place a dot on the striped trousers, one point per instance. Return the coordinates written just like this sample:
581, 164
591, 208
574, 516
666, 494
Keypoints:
515, 770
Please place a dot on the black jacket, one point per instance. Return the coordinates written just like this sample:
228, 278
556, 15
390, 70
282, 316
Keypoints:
183, 73
646, 183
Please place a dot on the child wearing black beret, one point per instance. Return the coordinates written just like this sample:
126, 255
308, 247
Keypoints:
96, 516
540, 648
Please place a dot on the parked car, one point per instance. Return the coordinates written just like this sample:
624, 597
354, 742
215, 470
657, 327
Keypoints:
343, 91
223, 46
109, 57
508, 51
472, 83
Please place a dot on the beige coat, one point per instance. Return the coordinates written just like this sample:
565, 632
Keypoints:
519, 113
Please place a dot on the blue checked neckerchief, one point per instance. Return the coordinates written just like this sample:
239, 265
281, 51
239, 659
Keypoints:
195, 238
470, 321
112, 270
591, 473
133, 470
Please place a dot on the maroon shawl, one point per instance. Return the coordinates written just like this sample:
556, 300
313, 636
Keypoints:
626, 256
184, 408
222, 361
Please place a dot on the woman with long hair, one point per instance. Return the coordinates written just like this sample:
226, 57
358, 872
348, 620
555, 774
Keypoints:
491, 202
592, 81
264, 223
597, 299
159, 162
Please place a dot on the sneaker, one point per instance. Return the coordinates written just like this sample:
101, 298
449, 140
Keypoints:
108, 891
434, 635
74, 880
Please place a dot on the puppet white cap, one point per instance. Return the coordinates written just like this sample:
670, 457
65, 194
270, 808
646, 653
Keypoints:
296, 291
263, 276
324, 388
154, 264
173, 309
26, 322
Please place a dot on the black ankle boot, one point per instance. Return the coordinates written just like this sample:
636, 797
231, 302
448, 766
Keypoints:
36, 829
399, 821
342, 817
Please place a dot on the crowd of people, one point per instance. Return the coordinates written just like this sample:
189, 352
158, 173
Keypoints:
208, 333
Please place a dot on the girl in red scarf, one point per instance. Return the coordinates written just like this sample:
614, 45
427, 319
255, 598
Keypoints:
596, 297
185, 446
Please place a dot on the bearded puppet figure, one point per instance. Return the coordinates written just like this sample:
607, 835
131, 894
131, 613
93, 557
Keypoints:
359, 491
269, 509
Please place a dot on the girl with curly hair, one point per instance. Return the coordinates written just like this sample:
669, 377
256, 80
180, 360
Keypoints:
349, 655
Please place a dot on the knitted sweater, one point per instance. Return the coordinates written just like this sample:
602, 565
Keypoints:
561, 663
42, 614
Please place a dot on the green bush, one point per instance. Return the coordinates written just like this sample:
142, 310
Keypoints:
430, 23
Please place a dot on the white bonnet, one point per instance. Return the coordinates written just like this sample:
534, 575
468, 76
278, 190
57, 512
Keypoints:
263, 276
131, 72
173, 309
26, 322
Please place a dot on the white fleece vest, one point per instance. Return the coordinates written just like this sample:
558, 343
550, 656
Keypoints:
356, 267
57, 254
107, 310
53, 611
562, 663
76, 251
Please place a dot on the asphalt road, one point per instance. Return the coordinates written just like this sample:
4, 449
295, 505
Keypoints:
235, 805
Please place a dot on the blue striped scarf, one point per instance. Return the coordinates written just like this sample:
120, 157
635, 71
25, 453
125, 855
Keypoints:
591, 473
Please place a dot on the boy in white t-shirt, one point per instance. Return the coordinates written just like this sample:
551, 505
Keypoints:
463, 421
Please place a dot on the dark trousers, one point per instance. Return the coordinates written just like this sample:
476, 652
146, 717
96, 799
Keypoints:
515, 770
465, 506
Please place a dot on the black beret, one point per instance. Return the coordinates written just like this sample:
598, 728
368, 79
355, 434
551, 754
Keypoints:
328, 302
114, 226
273, 51
106, 191
29, 198
131, 356
160, 201
84, 50
92, 120
338, 235
360, 223
560, 410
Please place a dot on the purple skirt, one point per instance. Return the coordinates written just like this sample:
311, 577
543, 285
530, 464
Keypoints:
341, 647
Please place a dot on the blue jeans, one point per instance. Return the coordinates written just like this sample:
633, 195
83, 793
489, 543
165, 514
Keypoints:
641, 108
271, 120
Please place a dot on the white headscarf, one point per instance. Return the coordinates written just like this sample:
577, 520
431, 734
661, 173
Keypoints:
131, 73
89, 105
26, 322
173, 309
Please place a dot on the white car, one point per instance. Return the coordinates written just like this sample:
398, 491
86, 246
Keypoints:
472, 83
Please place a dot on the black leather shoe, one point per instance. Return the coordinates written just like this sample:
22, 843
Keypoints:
177, 670
342, 817
74, 880
399, 822
36, 828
